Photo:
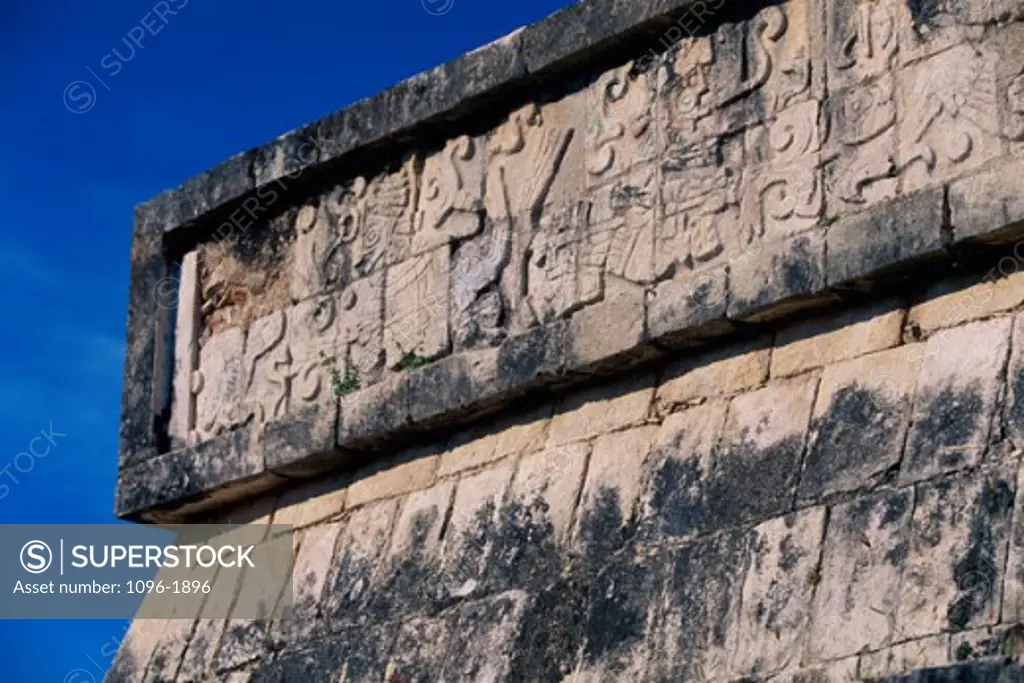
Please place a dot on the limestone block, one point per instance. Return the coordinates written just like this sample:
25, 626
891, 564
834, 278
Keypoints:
775, 613
919, 654
479, 312
415, 469
186, 350
843, 671
860, 421
905, 229
681, 466
716, 373
451, 195
483, 637
1013, 414
758, 460
955, 398
547, 484
309, 503
320, 259
781, 278
199, 658
865, 549
472, 531
356, 576
603, 409
948, 304
957, 552
847, 335
219, 383
614, 474
140, 641
609, 328
986, 642
418, 526
376, 410
1013, 588
452, 384
689, 308
984, 202
313, 564
513, 434
416, 307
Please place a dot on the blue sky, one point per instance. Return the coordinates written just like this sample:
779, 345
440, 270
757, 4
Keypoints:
215, 79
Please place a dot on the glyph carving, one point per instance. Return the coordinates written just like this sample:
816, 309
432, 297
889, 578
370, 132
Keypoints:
416, 310
782, 56
785, 196
376, 216
218, 384
623, 218
690, 96
477, 307
867, 43
950, 118
361, 325
864, 131
450, 203
621, 131
320, 261
566, 269
268, 368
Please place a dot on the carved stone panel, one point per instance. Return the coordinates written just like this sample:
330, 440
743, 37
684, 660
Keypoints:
218, 384
700, 202
863, 38
780, 50
862, 145
948, 120
269, 368
451, 195
783, 194
320, 257
416, 306
479, 310
620, 130
623, 221
566, 269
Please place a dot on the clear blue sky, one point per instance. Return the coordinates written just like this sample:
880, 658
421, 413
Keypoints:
215, 79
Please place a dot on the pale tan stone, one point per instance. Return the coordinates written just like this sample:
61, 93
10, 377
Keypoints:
720, 373
620, 131
835, 339
919, 654
219, 383
1013, 588
312, 502
186, 350
553, 476
139, 643
604, 409
385, 481
609, 327
843, 671
416, 307
511, 435
948, 306
775, 617
199, 657
313, 563
451, 195
616, 468
859, 580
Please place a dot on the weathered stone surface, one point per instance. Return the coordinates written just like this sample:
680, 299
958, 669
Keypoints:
361, 547
982, 201
319, 500
789, 273
378, 409
416, 308
451, 385
955, 398
775, 613
718, 373
601, 410
909, 227
865, 549
824, 342
510, 435
548, 483
957, 552
859, 425
413, 470
313, 564
615, 468
610, 328
948, 304
1013, 587
687, 308
758, 459
219, 396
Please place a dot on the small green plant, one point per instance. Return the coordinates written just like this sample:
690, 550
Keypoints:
343, 384
411, 360
829, 221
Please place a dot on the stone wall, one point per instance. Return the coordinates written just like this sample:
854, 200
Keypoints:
666, 340
834, 502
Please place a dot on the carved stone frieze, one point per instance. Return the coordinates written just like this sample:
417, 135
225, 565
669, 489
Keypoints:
320, 260
620, 131
416, 308
219, 384
450, 199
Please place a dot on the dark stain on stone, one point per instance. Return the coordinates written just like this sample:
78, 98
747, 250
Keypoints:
924, 13
789, 554
975, 574
677, 501
896, 508
950, 420
859, 435
751, 483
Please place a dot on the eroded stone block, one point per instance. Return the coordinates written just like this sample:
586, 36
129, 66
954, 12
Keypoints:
355, 580
416, 307
219, 384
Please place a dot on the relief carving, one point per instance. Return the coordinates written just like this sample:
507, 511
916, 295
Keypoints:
320, 261
376, 217
416, 310
864, 131
268, 369
950, 122
867, 45
478, 309
782, 56
525, 157
450, 203
620, 133
630, 228
566, 269
218, 385
785, 196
